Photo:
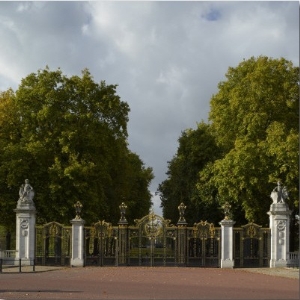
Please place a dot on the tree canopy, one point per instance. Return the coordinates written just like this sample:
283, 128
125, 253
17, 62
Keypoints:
254, 123
255, 119
196, 148
68, 136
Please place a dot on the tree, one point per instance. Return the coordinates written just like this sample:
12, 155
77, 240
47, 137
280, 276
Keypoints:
68, 136
196, 149
254, 118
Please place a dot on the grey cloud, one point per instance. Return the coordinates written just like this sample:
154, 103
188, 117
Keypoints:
166, 57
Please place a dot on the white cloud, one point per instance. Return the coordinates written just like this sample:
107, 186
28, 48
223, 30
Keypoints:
166, 57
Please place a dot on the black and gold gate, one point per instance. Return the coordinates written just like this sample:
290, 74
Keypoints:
151, 242
203, 245
53, 244
252, 245
101, 244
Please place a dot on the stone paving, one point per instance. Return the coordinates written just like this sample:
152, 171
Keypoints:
148, 283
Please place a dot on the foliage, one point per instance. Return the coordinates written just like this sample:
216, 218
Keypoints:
196, 148
254, 118
68, 136
251, 142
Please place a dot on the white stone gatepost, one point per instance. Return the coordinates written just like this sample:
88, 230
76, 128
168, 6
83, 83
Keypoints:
227, 260
77, 259
280, 227
25, 225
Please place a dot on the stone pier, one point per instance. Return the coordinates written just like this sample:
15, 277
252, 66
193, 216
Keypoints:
25, 225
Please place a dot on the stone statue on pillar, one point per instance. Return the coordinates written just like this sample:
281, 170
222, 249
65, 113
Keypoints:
279, 193
26, 193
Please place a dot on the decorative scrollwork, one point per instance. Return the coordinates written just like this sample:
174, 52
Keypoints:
204, 230
281, 224
251, 231
153, 227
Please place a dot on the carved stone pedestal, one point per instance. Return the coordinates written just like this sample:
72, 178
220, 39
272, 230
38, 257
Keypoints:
25, 232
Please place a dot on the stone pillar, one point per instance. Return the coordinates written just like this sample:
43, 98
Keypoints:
180, 250
279, 223
77, 259
25, 225
121, 251
227, 260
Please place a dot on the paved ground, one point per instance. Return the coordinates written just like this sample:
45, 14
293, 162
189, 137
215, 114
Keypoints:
148, 283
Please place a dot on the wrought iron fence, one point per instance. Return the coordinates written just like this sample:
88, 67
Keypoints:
153, 241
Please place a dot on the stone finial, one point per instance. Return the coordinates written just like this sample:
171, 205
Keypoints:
26, 193
181, 209
227, 212
78, 207
279, 193
123, 208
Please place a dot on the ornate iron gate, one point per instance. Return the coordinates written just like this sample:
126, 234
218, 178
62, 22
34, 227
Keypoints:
101, 244
151, 242
203, 245
252, 245
53, 244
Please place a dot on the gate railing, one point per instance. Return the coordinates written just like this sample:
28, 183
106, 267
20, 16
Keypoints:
153, 241
8, 254
293, 259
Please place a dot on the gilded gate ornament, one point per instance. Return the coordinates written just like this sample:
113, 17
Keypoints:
227, 212
153, 227
78, 207
251, 231
123, 208
181, 209
203, 229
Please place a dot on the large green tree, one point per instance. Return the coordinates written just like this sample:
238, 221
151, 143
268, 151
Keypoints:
196, 148
68, 136
255, 120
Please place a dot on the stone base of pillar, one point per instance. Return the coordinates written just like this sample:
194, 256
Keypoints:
281, 263
77, 262
227, 264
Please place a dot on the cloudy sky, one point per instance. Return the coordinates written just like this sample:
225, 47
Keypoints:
166, 57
